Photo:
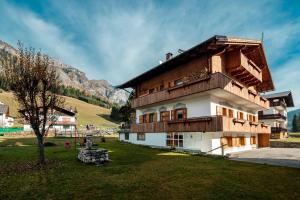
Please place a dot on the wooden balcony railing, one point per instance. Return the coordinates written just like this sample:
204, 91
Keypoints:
278, 103
212, 81
202, 124
278, 129
271, 116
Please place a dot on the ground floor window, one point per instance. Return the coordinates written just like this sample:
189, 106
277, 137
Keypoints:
229, 141
226, 141
141, 136
175, 139
253, 140
126, 136
238, 141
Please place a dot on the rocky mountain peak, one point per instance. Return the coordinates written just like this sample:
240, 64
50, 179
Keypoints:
73, 77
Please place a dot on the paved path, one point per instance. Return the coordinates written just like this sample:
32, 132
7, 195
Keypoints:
288, 157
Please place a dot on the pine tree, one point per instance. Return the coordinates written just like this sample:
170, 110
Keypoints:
294, 124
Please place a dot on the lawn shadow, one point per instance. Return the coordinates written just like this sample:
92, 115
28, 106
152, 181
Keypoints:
108, 118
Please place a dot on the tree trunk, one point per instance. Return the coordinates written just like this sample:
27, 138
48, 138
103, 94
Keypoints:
41, 150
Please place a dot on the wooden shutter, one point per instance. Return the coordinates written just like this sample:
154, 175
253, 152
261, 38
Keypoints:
141, 119
219, 110
224, 111
147, 118
184, 113
155, 117
172, 114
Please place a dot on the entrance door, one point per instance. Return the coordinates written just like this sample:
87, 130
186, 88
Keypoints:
263, 140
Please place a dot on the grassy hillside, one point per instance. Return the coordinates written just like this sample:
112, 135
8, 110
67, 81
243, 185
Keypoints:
87, 113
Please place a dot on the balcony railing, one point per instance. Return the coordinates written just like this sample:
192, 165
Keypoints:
272, 116
212, 81
202, 124
278, 103
278, 129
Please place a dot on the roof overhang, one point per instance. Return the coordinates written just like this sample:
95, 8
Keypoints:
253, 49
287, 96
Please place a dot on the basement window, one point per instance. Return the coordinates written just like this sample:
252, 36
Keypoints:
126, 136
141, 136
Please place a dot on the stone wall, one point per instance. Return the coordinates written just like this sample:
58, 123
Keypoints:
281, 144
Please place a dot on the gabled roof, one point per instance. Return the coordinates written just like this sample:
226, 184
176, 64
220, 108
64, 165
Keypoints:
3, 109
253, 49
59, 109
287, 96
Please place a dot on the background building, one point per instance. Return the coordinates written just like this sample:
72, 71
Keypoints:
276, 115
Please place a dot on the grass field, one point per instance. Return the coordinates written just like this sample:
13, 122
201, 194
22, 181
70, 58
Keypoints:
87, 113
137, 172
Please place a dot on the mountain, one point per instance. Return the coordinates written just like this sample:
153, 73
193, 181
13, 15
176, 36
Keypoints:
73, 77
291, 115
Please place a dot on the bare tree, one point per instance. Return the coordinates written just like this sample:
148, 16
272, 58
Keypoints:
34, 81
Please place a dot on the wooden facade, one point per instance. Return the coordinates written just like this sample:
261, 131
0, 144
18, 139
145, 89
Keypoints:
202, 84
202, 124
232, 70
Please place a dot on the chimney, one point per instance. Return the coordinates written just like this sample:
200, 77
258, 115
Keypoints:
169, 56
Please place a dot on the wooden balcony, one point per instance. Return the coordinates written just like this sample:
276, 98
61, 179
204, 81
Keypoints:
243, 69
271, 116
278, 130
206, 84
202, 124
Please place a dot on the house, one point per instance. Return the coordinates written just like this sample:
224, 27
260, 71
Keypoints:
206, 98
276, 115
60, 119
5, 119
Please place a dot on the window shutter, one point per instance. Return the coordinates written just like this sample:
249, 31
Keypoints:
141, 119
155, 117
171, 84
185, 113
172, 114
147, 118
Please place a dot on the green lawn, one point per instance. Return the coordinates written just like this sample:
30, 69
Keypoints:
137, 172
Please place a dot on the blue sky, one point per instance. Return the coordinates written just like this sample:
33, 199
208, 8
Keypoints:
117, 40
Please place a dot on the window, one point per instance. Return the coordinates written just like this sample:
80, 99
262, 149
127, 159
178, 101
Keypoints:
238, 141
151, 117
161, 87
126, 136
180, 114
144, 119
151, 91
227, 141
164, 116
224, 111
252, 140
178, 82
241, 115
174, 140
141, 136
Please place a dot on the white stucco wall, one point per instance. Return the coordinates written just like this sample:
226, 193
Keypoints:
151, 139
203, 142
